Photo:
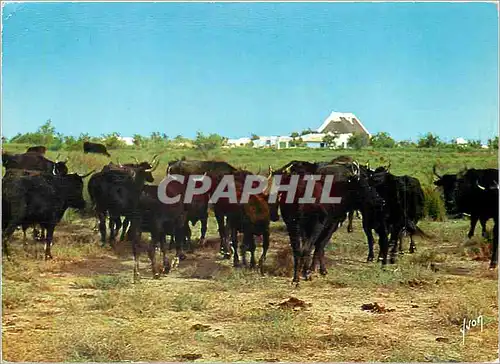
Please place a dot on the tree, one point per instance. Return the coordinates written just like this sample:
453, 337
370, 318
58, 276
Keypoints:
254, 137
358, 141
206, 143
429, 140
294, 135
474, 143
329, 140
113, 141
493, 143
307, 131
382, 140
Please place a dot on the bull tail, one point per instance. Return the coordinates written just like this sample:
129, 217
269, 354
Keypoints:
109, 155
413, 229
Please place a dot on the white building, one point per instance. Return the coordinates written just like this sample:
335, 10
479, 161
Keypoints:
277, 142
127, 140
342, 125
240, 142
461, 141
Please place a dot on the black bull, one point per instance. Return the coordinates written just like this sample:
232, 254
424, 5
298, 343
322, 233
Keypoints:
97, 148
39, 199
474, 192
311, 225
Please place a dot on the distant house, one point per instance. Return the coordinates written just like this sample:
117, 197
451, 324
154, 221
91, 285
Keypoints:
460, 141
316, 140
240, 142
277, 142
127, 140
343, 125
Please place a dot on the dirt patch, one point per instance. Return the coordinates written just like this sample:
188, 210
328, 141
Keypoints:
376, 308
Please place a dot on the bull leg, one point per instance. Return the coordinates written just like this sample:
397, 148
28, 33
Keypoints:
204, 228
322, 264
163, 247
265, 247
473, 222
188, 233
383, 244
115, 223
494, 248
483, 221
294, 234
224, 247
393, 242
135, 237
152, 253
125, 227
250, 245
234, 244
400, 242
48, 240
350, 217
307, 248
369, 238
315, 260
7, 233
413, 247
180, 236
102, 227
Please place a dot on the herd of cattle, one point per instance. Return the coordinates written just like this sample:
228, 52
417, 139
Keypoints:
37, 191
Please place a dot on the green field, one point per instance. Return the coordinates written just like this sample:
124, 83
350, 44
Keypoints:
84, 306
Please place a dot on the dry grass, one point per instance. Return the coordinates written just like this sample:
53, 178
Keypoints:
84, 306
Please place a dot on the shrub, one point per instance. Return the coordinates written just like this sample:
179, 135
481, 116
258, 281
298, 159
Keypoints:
433, 204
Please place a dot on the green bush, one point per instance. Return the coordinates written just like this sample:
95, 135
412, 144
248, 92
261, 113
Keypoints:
434, 205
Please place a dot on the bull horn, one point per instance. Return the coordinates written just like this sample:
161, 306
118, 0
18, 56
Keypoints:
152, 169
87, 174
357, 168
434, 171
270, 170
481, 187
136, 160
66, 160
154, 159
388, 167
57, 158
260, 170
54, 170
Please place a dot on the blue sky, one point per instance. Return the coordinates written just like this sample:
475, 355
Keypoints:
264, 68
